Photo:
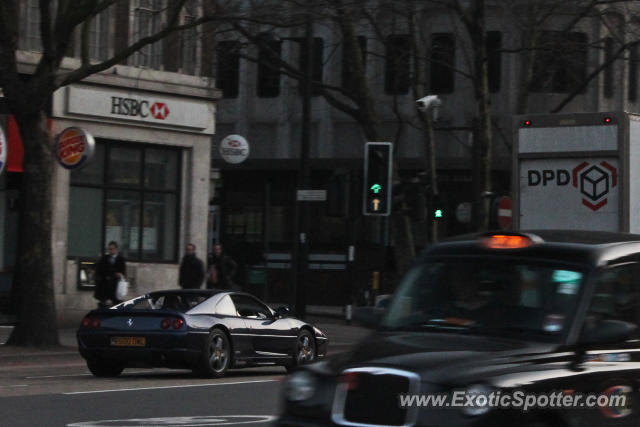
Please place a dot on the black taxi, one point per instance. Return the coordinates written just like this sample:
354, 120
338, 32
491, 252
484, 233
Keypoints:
530, 329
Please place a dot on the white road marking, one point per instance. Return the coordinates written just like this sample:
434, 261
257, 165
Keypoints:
214, 420
170, 386
57, 376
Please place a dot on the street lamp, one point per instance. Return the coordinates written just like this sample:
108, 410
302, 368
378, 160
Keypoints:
429, 107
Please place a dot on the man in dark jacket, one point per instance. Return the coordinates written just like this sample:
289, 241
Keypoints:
191, 269
225, 268
110, 269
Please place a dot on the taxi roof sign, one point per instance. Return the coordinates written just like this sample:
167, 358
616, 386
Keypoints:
509, 241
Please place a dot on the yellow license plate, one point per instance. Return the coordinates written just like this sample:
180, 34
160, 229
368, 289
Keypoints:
128, 341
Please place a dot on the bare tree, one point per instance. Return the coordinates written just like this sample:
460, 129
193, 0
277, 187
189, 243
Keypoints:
27, 97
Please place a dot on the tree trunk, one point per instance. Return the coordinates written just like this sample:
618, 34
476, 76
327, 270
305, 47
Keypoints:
36, 305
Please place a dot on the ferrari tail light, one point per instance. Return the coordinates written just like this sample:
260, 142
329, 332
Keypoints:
86, 322
91, 322
168, 322
177, 323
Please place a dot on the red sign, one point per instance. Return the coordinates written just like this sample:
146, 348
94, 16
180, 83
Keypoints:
504, 212
159, 110
74, 148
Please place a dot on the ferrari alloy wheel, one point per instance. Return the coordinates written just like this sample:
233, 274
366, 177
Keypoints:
305, 350
216, 355
103, 368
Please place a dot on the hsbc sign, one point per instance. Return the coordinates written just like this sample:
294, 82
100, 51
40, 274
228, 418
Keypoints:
142, 107
138, 107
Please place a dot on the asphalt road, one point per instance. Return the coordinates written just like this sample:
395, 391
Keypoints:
54, 388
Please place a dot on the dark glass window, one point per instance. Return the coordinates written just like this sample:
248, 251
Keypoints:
227, 67
397, 65
250, 307
348, 77
129, 194
633, 73
608, 71
494, 60
443, 62
269, 69
614, 297
560, 63
317, 56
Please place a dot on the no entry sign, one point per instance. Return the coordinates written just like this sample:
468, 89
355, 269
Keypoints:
504, 212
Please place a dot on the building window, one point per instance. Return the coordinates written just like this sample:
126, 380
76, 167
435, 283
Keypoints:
348, 76
227, 67
561, 62
130, 195
608, 71
269, 53
397, 64
633, 73
100, 35
30, 22
442, 62
189, 39
148, 15
317, 58
494, 60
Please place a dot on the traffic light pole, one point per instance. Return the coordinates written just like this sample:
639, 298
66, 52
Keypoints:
301, 234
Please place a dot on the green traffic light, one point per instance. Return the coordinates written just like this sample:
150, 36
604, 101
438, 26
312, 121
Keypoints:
439, 213
376, 188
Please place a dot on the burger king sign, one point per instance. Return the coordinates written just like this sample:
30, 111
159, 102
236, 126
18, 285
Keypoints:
3, 150
74, 147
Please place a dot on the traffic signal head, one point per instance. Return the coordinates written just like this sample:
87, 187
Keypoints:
378, 160
438, 214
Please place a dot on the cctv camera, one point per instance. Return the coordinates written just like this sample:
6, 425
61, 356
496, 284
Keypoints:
427, 102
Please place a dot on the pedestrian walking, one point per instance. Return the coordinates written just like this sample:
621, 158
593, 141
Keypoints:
191, 269
222, 268
110, 269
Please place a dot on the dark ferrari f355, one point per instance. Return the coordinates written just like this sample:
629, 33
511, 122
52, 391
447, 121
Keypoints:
208, 331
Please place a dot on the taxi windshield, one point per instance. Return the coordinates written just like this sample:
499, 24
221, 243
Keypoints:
487, 296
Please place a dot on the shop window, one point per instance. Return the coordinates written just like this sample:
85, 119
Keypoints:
634, 57
397, 65
494, 60
100, 35
189, 39
227, 67
561, 62
30, 23
317, 55
128, 194
608, 71
148, 17
442, 62
348, 77
269, 69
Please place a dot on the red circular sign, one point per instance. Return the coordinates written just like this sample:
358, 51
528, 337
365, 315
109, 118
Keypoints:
504, 212
74, 147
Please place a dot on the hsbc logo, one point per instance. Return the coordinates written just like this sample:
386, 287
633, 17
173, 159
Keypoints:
159, 110
138, 108
594, 181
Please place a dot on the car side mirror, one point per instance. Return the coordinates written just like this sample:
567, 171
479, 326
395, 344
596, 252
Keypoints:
608, 332
282, 311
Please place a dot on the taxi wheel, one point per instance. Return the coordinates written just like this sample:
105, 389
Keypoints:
106, 369
305, 350
216, 355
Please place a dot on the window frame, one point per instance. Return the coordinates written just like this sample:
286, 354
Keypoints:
141, 190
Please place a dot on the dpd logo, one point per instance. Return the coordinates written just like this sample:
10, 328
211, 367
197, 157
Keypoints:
594, 183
